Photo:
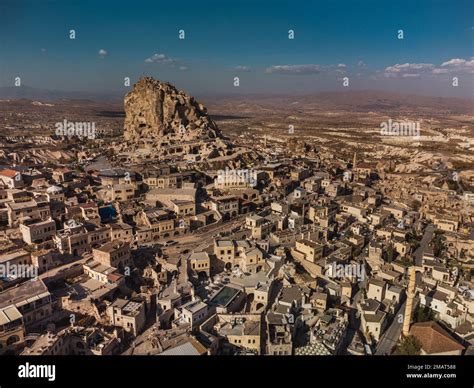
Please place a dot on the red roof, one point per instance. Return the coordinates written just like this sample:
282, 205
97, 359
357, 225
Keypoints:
114, 277
9, 173
434, 339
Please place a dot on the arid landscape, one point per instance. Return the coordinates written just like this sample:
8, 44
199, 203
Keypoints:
263, 179
302, 185
332, 121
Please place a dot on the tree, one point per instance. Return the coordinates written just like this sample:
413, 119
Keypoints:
438, 243
466, 275
424, 314
408, 346
416, 205
414, 243
390, 253
452, 185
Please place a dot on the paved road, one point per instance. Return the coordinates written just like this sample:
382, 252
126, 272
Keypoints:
418, 255
354, 321
427, 236
392, 334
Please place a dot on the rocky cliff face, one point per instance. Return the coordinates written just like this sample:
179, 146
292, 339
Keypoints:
155, 109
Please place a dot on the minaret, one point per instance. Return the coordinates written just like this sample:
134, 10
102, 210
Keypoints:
410, 296
354, 161
175, 286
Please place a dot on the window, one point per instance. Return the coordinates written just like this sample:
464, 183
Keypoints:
11, 340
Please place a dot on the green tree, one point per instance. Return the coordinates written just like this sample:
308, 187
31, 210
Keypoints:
416, 205
408, 346
453, 185
390, 253
424, 314
438, 243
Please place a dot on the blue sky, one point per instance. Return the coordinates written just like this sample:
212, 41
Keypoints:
245, 39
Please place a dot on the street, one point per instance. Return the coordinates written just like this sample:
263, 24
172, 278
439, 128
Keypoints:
392, 334
418, 255
427, 236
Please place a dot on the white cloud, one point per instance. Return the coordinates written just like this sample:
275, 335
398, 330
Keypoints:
409, 68
454, 62
183, 68
293, 69
415, 70
440, 71
161, 59
242, 69
102, 53
458, 65
306, 69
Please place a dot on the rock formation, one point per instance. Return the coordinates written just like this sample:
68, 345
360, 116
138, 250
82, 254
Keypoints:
155, 109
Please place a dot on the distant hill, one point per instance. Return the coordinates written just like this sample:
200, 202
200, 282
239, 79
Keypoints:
353, 101
29, 93
376, 100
